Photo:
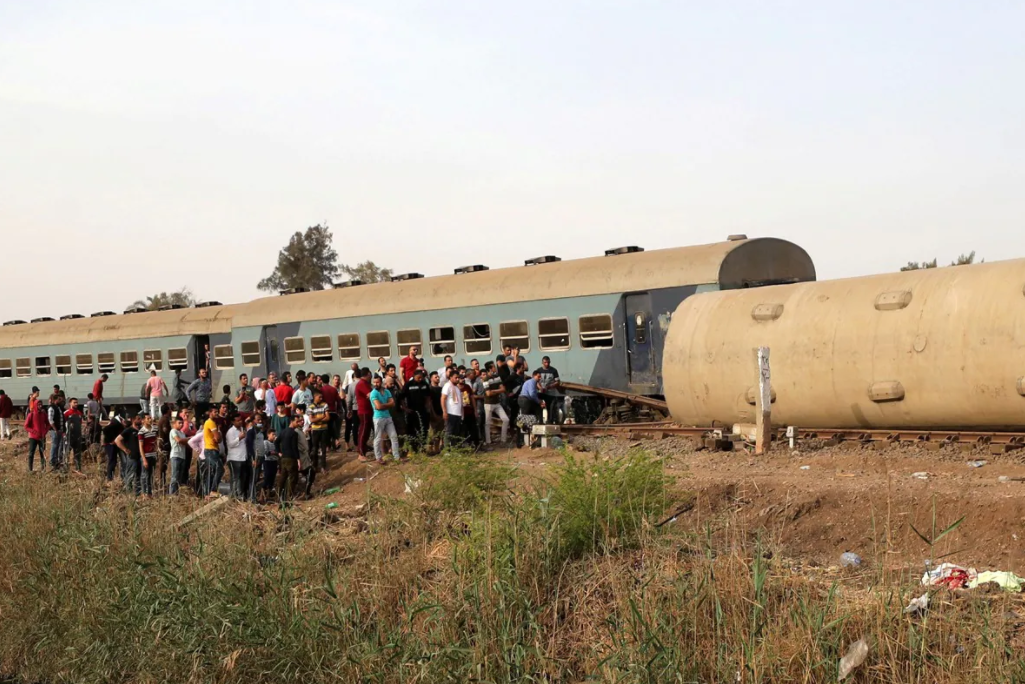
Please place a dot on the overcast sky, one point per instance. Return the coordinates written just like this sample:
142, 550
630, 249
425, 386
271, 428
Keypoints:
149, 145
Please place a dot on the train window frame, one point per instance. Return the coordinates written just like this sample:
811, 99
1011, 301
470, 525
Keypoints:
175, 364
219, 358
317, 353
293, 353
84, 368
57, 365
502, 339
44, 369
403, 347
450, 342
542, 336
468, 340
6, 368
587, 339
155, 358
371, 347
127, 368
346, 347
23, 367
106, 362
248, 355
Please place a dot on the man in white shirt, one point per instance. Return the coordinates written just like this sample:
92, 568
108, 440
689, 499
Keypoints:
235, 440
452, 405
443, 371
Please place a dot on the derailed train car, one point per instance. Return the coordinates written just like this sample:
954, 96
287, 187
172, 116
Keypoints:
931, 348
602, 320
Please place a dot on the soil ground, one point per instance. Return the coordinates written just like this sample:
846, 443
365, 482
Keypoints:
810, 504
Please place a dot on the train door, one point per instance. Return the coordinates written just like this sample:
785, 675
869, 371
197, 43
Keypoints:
640, 353
203, 355
270, 349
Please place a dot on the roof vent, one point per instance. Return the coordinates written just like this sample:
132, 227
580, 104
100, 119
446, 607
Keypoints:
135, 310
71, 317
347, 283
44, 319
406, 276
470, 269
100, 314
736, 237
171, 307
293, 290
203, 305
623, 250
14, 323
541, 260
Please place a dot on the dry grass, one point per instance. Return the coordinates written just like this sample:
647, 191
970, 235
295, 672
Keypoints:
565, 582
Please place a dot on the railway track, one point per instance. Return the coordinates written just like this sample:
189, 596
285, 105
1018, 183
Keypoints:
997, 441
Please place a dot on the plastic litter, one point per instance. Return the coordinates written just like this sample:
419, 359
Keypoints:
921, 475
805, 467
948, 575
333, 490
1008, 581
856, 655
976, 464
849, 559
917, 605
331, 506
359, 479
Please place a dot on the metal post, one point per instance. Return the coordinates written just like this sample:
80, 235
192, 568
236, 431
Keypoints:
763, 402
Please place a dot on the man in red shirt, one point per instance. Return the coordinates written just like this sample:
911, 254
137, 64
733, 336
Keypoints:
334, 405
98, 392
6, 411
408, 365
365, 412
283, 392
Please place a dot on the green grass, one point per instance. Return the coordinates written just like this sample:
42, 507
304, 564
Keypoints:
564, 579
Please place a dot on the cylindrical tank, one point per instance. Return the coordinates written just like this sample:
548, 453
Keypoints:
940, 348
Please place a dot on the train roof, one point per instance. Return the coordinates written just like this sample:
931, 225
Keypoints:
735, 263
730, 264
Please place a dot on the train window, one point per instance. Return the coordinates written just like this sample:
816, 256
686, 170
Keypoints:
515, 334
5, 368
443, 341
224, 356
553, 333
295, 350
105, 362
153, 358
84, 364
321, 349
596, 331
129, 362
251, 354
379, 344
42, 366
348, 346
477, 338
407, 339
178, 358
63, 364
23, 367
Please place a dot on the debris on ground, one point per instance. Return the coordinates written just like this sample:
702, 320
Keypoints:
920, 475
214, 505
856, 655
1007, 581
850, 560
976, 464
918, 605
948, 575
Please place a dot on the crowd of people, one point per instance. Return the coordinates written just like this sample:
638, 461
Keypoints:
274, 436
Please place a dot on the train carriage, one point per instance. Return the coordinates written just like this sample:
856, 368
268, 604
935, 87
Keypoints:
602, 320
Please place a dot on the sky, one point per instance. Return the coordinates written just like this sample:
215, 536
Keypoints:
147, 146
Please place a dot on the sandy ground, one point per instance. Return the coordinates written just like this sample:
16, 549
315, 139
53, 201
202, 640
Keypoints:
811, 504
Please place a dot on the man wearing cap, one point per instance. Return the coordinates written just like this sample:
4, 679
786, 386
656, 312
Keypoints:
157, 391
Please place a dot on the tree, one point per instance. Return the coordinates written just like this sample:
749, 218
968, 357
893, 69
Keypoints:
307, 261
367, 272
965, 259
916, 265
182, 297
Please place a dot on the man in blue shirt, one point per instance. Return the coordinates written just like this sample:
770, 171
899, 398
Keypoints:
530, 400
382, 402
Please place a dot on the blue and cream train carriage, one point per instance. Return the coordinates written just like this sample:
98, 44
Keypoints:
602, 320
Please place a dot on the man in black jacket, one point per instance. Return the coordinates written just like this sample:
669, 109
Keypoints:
288, 448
